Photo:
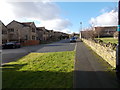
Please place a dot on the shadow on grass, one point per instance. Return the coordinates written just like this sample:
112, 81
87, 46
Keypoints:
12, 77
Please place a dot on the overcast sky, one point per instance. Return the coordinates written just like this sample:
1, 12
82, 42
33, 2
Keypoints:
60, 16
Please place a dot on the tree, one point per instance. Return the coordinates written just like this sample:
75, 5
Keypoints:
116, 34
98, 31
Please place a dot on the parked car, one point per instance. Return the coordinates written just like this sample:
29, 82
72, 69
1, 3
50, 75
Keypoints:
11, 45
73, 39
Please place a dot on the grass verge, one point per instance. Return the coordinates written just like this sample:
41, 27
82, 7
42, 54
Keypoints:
106, 40
40, 70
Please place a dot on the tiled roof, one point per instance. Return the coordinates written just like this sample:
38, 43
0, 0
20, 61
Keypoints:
22, 23
26, 23
39, 28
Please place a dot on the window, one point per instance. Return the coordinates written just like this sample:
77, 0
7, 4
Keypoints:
11, 30
4, 32
37, 38
33, 29
26, 37
33, 37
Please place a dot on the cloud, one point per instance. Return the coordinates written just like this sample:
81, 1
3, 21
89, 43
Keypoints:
57, 24
46, 14
36, 10
106, 19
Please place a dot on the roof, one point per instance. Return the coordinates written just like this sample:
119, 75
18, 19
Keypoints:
3, 24
23, 23
40, 28
26, 23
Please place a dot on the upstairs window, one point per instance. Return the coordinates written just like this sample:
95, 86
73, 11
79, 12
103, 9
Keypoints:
11, 30
4, 32
33, 29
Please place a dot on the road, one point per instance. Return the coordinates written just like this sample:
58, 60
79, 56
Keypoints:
9, 55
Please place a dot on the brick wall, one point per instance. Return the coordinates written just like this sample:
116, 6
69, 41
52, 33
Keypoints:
30, 42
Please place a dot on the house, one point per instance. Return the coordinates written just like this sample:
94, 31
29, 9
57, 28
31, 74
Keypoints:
64, 35
40, 32
57, 35
4, 32
24, 32
32, 30
21, 31
107, 31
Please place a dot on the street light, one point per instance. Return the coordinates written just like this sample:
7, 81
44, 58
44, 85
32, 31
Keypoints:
81, 30
118, 47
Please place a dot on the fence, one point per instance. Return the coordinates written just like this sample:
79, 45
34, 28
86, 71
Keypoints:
30, 42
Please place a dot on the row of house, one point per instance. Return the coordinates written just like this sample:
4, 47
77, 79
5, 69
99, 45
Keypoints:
27, 32
99, 31
106, 31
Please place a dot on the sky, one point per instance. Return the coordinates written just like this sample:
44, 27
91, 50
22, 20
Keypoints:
60, 16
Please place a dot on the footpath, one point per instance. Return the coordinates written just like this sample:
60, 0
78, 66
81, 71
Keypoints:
90, 71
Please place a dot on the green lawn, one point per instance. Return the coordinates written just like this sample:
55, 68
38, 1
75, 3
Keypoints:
40, 70
112, 40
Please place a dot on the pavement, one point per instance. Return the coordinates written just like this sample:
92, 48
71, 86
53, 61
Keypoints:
90, 72
9, 55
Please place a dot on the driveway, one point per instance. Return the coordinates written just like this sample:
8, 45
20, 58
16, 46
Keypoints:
9, 55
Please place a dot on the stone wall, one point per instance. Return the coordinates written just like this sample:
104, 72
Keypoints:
106, 53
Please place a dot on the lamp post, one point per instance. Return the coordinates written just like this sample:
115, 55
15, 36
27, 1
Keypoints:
118, 47
81, 30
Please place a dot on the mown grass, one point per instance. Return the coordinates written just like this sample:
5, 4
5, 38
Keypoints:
107, 40
40, 70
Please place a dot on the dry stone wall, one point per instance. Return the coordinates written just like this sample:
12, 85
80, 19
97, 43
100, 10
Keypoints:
106, 53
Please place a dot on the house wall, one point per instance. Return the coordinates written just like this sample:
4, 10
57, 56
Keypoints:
21, 32
39, 34
17, 34
25, 33
33, 33
106, 31
4, 33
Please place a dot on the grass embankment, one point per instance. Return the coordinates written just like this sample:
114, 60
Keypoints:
107, 40
40, 70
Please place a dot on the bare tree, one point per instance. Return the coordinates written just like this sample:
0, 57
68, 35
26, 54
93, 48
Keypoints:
116, 34
98, 31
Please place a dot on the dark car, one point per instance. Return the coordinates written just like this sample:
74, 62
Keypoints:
73, 39
11, 45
